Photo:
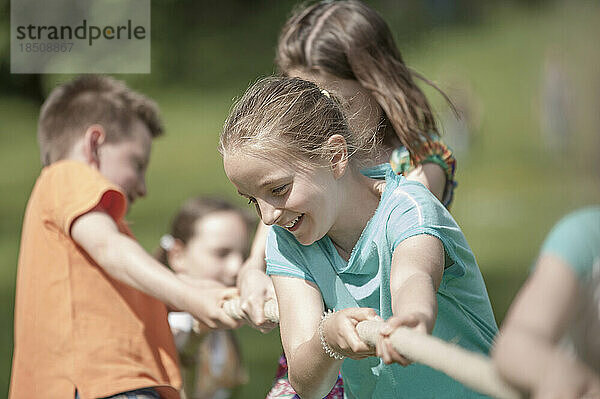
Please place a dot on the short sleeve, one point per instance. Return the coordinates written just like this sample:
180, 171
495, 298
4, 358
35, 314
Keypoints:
415, 212
576, 240
411, 215
74, 189
284, 255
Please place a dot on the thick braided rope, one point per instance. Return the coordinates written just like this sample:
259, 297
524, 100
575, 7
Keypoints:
472, 369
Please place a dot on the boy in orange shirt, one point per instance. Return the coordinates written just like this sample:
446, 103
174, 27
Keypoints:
90, 314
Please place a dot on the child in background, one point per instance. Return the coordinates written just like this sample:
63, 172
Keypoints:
90, 315
549, 344
347, 48
359, 244
208, 243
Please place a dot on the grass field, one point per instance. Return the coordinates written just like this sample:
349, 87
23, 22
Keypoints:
511, 190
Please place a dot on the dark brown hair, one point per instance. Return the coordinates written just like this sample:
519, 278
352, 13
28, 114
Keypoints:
184, 222
349, 40
290, 117
91, 99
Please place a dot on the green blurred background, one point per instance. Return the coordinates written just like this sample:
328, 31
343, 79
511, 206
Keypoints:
526, 76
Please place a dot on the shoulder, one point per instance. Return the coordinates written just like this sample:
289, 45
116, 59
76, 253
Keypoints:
401, 197
411, 209
70, 167
69, 174
68, 189
282, 244
285, 256
576, 239
581, 222
279, 238
411, 201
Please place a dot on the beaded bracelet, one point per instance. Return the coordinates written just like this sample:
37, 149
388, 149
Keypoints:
330, 352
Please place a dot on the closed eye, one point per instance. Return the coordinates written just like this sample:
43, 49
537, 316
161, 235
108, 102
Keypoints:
139, 164
280, 190
251, 200
222, 252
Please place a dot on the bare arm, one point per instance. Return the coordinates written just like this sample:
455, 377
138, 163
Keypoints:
255, 286
256, 260
432, 176
417, 269
526, 352
125, 260
312, 372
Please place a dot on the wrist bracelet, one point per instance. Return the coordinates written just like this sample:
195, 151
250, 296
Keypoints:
330, 352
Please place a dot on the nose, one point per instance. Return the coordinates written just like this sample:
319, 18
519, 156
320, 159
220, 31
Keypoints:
232, 268
141, 188
268, 213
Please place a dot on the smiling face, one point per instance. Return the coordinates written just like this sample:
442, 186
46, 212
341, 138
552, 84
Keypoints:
299, 197
124, 162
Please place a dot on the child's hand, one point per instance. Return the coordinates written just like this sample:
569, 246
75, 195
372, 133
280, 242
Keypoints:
207, 307
256, 288
385, 350
339, 331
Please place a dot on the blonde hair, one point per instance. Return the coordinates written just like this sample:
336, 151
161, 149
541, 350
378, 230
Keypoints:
349, 40
282, 116
91, 99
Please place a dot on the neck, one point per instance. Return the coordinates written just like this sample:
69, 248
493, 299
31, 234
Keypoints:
359, 200
77, 153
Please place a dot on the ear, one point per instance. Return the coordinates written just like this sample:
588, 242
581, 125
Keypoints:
93, 139
176, 256
339, 155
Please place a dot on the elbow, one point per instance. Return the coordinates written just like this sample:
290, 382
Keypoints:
309, 388
298, 386
305, 389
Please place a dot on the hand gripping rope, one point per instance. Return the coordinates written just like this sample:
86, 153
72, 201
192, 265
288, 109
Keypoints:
472, 369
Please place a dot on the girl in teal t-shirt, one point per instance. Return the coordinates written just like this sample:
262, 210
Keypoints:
550, 341
362, 245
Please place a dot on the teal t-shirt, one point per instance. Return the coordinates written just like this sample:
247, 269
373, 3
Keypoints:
576, 240
464, 316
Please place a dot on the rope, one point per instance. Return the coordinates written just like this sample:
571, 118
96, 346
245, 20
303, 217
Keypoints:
471, 369
233, 308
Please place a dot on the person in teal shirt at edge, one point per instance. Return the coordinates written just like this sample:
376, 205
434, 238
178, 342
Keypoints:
550, 341
307, 198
